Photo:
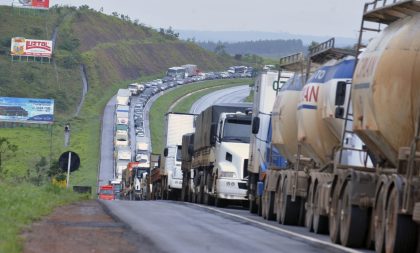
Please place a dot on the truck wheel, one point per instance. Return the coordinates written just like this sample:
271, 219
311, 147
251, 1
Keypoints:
259, 206
400, 229
264, 205
270, 206
279, 195
309, 215
334, 217
253, 208
220, 202
290, 210
378, 215
354, 222
320, 222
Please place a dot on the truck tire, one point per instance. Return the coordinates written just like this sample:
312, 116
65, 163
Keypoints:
334, 216
354, 222
309, 214
400, 229
291, 209
378, 215
269, 206
220, 202
320, 222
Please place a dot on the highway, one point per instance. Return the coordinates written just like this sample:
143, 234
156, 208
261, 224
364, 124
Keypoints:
168, 226
229, 95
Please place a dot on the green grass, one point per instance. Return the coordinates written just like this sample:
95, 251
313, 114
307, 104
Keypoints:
250, 97
162, 104
21, 204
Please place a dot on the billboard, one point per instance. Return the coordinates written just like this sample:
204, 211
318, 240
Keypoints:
27, 47
29, 110
44, 4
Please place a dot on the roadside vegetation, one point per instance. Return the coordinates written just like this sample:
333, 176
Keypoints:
163, 103
23, 203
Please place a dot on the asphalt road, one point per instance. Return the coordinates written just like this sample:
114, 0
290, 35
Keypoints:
183, 227
106, 169
229, 95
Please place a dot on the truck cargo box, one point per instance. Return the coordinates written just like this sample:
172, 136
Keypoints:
210, 116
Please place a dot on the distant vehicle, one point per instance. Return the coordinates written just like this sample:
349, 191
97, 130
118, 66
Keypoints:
106, 192
190, 69
135, 181
135, 88
123, 97
176, 72
122, 114
121, 129
121, 139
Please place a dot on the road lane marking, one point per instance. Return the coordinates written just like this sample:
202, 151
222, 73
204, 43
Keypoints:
293, 234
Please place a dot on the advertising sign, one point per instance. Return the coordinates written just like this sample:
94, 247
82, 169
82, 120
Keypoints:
44, 4
27, 47
27, 110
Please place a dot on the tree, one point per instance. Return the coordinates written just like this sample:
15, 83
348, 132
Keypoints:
115, 14
220, 48
7, 151
38, 174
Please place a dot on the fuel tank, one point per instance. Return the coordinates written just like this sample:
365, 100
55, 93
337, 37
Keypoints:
386, 89
284, 121
319, 130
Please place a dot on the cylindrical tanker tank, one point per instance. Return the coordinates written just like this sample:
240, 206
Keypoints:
319, 131
386, 90
284, 121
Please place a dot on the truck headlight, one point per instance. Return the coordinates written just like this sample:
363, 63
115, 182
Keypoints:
227, 174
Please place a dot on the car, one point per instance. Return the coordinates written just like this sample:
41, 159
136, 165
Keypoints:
140, 134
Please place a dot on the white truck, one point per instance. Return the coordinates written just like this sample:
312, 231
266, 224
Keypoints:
220, 154
123, 97
122, 158
135, 88
176, 125
142, 148
121, 139
263, 158
122, 114
190, 69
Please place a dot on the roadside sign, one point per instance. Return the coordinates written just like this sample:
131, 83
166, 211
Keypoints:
74, 161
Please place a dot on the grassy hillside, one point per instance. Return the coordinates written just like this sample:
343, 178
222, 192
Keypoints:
114, 51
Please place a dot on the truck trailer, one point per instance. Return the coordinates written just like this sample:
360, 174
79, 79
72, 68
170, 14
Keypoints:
170, 174
123, 97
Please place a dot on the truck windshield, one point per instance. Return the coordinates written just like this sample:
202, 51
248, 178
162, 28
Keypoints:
122, 127
179, 154
107, 192
237, 131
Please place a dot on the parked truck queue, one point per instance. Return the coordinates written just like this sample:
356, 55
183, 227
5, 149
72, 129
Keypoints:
330, 142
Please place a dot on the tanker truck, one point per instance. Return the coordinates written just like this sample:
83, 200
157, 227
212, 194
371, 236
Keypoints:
221, 151
134, 181
385, 115
260, 163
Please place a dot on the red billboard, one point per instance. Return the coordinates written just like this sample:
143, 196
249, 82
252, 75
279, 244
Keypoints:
41, 4
28, 47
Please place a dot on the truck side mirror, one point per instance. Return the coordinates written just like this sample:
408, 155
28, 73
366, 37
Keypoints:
213, 134
339, 112
165, 152
340, 95
190, 149
256, 125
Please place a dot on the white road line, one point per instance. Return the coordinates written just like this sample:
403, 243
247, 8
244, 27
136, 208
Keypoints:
304, 237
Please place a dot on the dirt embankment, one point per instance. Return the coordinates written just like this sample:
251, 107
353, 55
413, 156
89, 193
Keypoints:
81, 227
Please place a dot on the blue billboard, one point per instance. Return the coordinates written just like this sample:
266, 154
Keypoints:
27, 110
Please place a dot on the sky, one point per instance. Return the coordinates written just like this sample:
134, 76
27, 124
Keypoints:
309, 17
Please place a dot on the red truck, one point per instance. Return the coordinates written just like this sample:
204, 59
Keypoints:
106, 192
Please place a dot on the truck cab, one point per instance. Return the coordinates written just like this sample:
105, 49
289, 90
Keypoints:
106, 192
231, 153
